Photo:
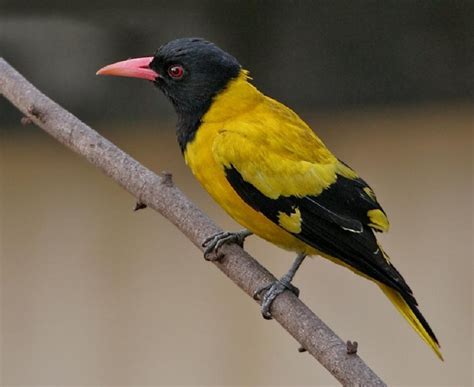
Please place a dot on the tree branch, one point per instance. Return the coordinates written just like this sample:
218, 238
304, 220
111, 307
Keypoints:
160, 194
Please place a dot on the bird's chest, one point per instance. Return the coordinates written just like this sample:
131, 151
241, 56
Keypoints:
199, 157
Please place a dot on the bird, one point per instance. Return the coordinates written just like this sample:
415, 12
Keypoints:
270, 172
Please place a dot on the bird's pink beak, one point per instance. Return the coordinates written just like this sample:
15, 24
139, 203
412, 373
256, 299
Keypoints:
134, 68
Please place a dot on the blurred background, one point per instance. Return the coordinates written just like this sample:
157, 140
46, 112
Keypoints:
94, 294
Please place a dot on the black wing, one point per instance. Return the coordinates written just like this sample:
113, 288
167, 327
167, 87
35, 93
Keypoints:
334, 222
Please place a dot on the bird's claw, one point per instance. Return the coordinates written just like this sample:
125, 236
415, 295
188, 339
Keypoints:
268, 293
215, 242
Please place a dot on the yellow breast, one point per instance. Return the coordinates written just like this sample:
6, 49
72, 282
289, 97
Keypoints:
238, 101
199, 158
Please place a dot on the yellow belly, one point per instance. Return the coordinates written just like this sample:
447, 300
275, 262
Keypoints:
199, 158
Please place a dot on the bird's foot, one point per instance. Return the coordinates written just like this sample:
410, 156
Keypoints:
214, 243
268, 293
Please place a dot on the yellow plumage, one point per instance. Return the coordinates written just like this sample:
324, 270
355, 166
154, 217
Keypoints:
408, 314
281, 156
270, 172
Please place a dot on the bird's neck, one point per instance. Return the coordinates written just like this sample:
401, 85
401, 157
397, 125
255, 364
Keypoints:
237, 97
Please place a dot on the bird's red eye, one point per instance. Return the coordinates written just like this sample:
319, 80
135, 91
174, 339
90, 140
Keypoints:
176, 71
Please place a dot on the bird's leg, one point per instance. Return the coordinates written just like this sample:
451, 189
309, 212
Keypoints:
215, 242
271, 291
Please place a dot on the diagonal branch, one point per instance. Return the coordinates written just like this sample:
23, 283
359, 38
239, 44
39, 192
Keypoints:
160, 194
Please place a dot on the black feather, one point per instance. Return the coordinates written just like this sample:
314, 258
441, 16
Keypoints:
332, 224
207, 71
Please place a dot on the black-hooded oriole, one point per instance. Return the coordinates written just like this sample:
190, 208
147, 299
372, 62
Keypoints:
270, 172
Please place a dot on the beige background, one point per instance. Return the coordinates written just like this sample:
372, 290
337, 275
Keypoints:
94, 294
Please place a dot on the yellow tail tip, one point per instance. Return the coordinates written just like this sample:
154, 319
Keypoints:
409, 315
437, 350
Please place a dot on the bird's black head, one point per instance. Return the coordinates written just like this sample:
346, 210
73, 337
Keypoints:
191, 72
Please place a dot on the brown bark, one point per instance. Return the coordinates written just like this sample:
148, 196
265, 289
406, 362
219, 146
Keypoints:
160, 194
